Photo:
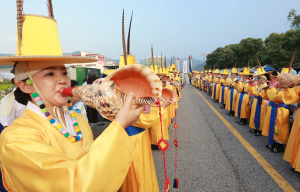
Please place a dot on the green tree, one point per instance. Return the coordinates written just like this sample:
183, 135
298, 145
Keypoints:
294, 19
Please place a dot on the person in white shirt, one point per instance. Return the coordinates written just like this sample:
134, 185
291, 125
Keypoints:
255, 72
10, 109
293, 71
78, 105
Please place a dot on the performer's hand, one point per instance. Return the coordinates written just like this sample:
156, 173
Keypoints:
128, 116
165, 104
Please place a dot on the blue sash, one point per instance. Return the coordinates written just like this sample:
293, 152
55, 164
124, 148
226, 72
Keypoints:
215, 90
132, 130
231, 97
209, 90
240, 104
223, 90
273, 118
257, 112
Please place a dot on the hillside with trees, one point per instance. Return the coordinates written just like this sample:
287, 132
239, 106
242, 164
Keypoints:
276, 50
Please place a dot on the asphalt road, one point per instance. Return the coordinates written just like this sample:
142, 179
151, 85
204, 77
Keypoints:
211, 158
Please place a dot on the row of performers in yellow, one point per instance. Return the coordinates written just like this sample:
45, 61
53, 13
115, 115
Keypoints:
272, 95
51, 148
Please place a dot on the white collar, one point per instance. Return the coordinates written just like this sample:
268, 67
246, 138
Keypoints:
34, 108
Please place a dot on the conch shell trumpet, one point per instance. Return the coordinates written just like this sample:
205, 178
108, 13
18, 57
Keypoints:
169, 94
288, 80
108, 95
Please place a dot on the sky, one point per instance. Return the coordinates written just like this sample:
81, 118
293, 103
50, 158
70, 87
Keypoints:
173, 27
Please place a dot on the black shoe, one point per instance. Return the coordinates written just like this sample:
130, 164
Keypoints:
271, 146
154, 147
239, 121
292, 169
222, 107
215, 101
279, 148
231, 114
243, 122
258, 133
251, 131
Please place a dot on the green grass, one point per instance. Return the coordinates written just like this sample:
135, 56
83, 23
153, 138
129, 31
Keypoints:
5, 86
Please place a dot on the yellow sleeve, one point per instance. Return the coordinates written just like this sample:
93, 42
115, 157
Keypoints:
30, 163
272, 94
148, 120
249, 88
240, 86
263, 94
291, 95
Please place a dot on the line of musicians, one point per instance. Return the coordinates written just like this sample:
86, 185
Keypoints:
141, 175
263, 101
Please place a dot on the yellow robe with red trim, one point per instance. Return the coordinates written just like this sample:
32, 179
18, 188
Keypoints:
263, 111
282, 120
35, 156
292, 150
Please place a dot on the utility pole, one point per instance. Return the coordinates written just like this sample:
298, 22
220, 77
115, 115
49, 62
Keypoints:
204, 54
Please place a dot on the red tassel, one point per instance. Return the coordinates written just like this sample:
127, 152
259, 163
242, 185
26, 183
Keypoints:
67, 91
175, 185
167, 185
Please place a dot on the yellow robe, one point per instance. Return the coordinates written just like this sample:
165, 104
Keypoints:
223, 82
263, 111
282, 119
228, 98
35, 156
141, 175
216, 88
292, 151
155, 130
173, 106
245, 108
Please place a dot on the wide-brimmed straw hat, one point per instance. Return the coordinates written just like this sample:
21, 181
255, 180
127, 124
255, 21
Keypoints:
246, 71
261, 71
38, 40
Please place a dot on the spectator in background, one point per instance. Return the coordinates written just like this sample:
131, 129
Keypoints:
293, 71
84, 83
190, 78
273, 81
92, 113
275, 69
12, 106
78, 105
255, 71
